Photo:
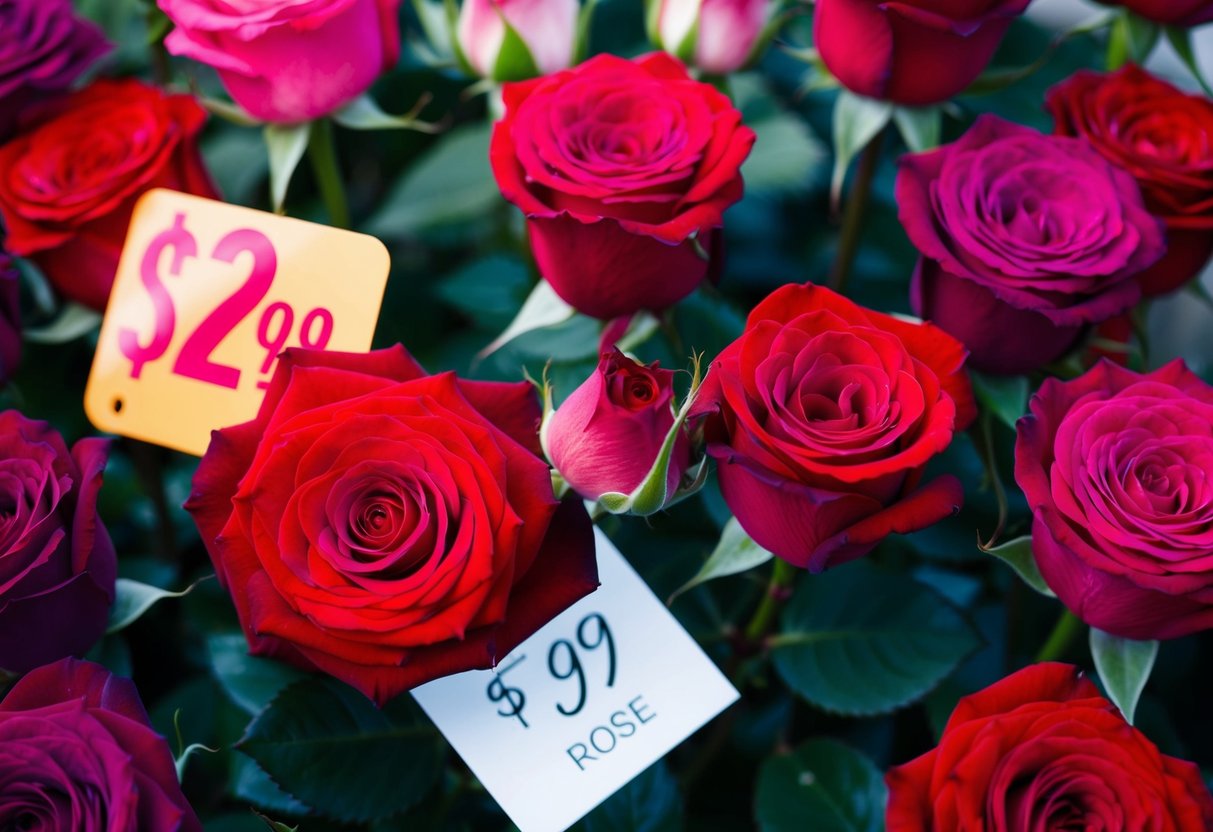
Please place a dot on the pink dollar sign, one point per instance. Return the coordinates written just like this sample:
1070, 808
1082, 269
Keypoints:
184, 245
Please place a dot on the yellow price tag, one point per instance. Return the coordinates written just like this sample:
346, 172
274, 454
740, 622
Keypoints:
206, 296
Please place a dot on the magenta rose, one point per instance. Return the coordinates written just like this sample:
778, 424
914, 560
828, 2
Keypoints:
1118, 471
913, 52
624, 170
44, 48
10, 318
607, 434
1168, 12
288, 60
1025, 239
57, 565
78, 754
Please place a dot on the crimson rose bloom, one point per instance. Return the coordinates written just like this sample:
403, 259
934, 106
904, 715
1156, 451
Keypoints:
623, 169
389, 527
10, 318
914, 52
1170, 12
288, 60
821, 417
1160, 135
68, 186
1025, 240
44, 47
1118, 471
78, 753
607, 434
57, 565
1042, 750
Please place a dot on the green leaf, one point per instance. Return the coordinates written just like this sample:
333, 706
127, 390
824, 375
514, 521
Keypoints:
327, 745
1124, 668
1132, 38
919, 126
251, 784
651, 802
251, 682
190, 751
1004, 396
786, 156
1017, 554
822, 786
73, 321
286, 144
488, 291
857, 120
860, 641
736, 552
364, 114
450, 182
515, 61
543, 308
276, 826
132, 599
1181, 39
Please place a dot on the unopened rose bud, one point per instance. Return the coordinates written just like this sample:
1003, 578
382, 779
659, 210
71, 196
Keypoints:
546, 33
717, 36
609, 432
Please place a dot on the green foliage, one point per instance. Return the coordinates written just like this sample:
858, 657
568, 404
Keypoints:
1124, 667
650, 803
824, 786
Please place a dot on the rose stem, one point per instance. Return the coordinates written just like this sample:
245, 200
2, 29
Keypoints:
148, 461
161, 69
1059, 641
777, 594
984, 440
323, 154
852, 217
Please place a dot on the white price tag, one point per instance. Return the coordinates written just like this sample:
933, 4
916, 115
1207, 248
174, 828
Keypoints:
591, 700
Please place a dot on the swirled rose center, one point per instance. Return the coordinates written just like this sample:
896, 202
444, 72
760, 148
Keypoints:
1169, 136
632, 388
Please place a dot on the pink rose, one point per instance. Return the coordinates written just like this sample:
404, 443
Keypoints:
607, 434
723, 32
548, 29
288, 60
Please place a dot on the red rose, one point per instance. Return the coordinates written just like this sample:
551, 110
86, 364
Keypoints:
389, 527
1169, 12
821, 417
1118, 471
912, 52
1042, 750
68, 186
623, 169
78, 753
1161, 136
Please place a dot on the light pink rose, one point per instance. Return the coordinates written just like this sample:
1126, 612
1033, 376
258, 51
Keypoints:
547, 27
288, 60
727, 30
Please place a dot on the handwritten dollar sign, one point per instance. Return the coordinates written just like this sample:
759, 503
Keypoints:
183, 245
514, 698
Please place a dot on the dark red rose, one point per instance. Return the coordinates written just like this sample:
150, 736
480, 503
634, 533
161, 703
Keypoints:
1160, 135
1026, 240
10, 318
77, 753
1118, 471
1042, 750
389, 527
1170, 12
821, 417
57, 565
623, 169
68, 186
44, 47
913, 52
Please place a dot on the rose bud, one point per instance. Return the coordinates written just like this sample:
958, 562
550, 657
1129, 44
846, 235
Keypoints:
821, 418
288, 60
545, 35
1160, 135
57, 564
718, 36
607, 435
618, 232
413, 529
1168, 12
1042, 750
10, 318
1026, 240
915, 52
71, 183
1118, 471
44, 47
78, 753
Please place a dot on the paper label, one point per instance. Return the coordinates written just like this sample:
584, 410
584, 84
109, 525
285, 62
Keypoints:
590, 701
205, 298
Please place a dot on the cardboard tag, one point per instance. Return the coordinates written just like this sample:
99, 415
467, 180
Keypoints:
587, 703
205, 298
